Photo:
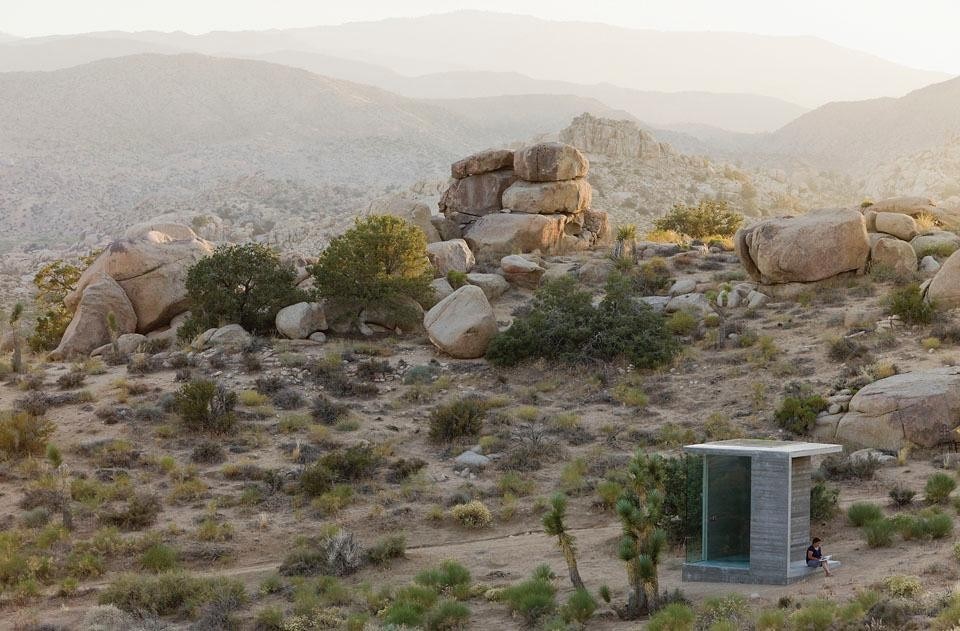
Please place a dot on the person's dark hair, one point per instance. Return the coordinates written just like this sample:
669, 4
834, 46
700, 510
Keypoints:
816, 539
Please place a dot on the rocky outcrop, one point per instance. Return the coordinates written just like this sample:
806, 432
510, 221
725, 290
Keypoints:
568, 196
462, 324
521, 272
482, 162
921, 408
899, 225
895, 255
613, 138
808, 248
448, 256
298, 321
152, 270
944, 289
550, 162
89, 327
546, 179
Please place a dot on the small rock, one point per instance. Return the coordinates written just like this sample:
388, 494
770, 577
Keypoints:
683, 286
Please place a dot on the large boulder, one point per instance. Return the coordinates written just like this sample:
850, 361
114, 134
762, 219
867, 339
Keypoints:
895, 255
493, 285
453, 255
944, 288
899, 225
567, 196
477, 195
298, 321
89, 328
922, 408
808, 248
500, 234
941, 243
550, 162
152, 270
232, 337
482, 162
462, 324
521, 271
912, 206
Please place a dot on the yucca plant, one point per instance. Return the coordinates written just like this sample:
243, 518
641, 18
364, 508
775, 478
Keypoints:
554, 526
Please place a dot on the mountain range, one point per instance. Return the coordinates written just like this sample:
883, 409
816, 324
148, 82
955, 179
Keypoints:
734, 81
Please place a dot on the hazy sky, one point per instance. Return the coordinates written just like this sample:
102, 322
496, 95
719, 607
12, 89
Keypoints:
920, 33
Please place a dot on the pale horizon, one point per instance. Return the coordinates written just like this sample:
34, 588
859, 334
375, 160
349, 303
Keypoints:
933, 47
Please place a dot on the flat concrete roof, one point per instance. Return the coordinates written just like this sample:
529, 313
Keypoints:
750, 446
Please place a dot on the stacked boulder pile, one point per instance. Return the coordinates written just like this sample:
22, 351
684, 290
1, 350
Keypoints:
893, 234
140, 281
536, 199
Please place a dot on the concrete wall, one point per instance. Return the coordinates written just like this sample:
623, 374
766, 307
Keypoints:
769, 519
800, 508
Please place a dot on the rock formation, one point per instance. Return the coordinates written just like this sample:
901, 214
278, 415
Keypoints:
536, 199
462, 324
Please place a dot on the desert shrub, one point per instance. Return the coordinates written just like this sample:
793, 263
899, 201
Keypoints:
335, 555
169, 593
799, 414
903, 586
652, 277
351, 464
708, 218
823, 501
206, 407
449, 577
729, 609
268, 384
532, 599
844, 349
861, 513
456, 279
771, 620
938, 525
847, 468
445, 615
140, 511
902, 496
71, 380
208, 452
252, 398
718, 426
387, 549
814, 616
330, 374
579, 607
473, 514
23, 434
316, 480
682, 323
402, 468
381, 262
673, 617
159, 558
238, 284
53, 282
938, 488
287, 399
908, 303
459, 419
562, 324
328, 412
879, 533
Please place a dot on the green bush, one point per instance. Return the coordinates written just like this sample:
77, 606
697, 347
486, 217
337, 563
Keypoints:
939, 487
53, 282
579, 607
902, 496
205, 406
459, 419
563, 325
903, 586
239, 284
652, 277
446, 615
908, 303
823, 501
448, 577
799, 414
847, 468
159, 558
333, 555
861, 513
815, 616
879, 533
682, 323
381, 262
140, 511
23, 434
673, 617
456, 279
707, 219
532, 599
169, 593
387, 549
474, 514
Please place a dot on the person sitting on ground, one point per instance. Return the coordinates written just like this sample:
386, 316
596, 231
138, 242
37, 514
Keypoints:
815, 556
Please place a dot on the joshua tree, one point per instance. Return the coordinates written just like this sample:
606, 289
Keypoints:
15, 315
640, 509
553, 525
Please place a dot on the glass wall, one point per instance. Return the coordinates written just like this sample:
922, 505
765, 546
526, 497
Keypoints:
718, 529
